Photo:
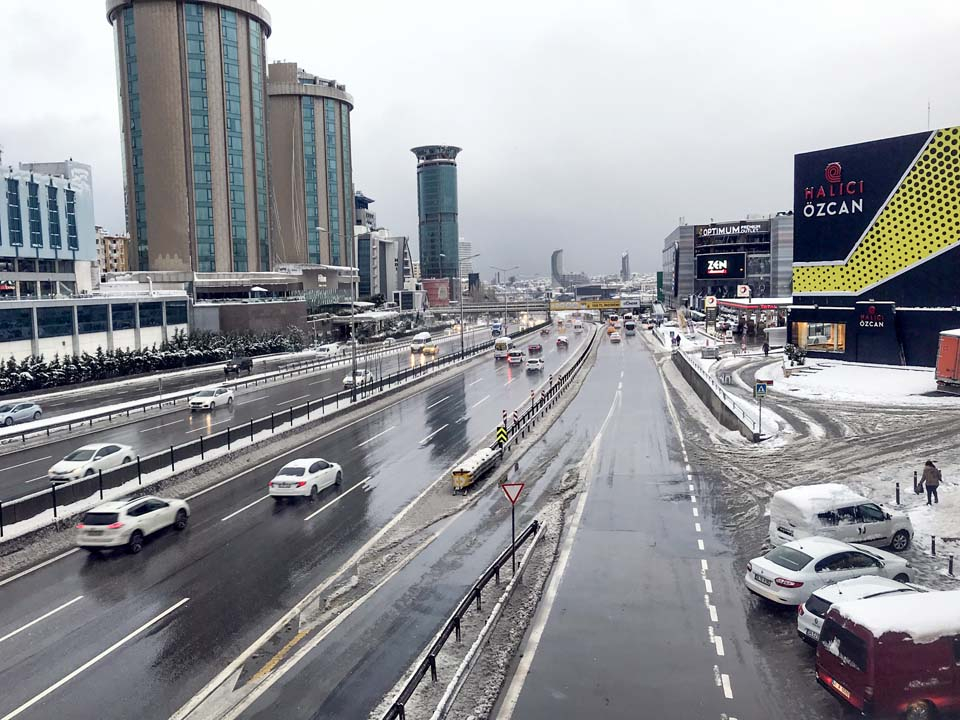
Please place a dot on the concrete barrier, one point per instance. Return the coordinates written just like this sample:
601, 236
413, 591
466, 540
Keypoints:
716, 400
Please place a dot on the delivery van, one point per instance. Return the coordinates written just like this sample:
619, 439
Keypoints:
418, 341
835, 511
896, 656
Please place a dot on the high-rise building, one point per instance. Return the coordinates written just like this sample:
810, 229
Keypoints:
625, 266
310, 157
466, 262
192, 82
112, 251
437, 205
363, 214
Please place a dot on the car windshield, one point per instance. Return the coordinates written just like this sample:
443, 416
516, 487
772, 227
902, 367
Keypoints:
6, 408
847, 647
818, 606
788, 558
297, 471
204, 393
99, 518
80, 455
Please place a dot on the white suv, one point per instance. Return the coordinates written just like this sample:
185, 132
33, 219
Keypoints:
128, 521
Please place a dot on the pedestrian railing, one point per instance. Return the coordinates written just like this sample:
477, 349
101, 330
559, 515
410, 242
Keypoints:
726, 398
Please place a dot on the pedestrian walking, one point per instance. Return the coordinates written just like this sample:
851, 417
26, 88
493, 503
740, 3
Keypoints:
931, 481
766, 349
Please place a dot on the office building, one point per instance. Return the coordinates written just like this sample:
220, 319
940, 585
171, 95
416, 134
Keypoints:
112, 251
625, 267
310, 156
437, 206
193, 102
466, 262
559, 277
364, 216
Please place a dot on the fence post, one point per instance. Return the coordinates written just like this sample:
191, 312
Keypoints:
100, 478
271, 421
308, 409
201, 447
433, 668
53, 493
933, 545
898, 493
291, 414
139, 476
172, 468
251, 432
321, 405
228, 437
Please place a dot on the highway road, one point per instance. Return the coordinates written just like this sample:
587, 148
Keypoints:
117, 635
24, 471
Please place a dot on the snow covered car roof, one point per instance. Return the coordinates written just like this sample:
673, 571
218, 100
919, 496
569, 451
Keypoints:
924, 617
811, 500
862, 587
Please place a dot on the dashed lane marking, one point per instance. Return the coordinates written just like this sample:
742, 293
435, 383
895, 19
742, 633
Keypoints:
379, 434
708, 585
157, 427
727, 690
38, 566
40, 619
432, 405
691, 487
478, 402
697, 527
474, 382
245, 507
696, 513
293, 400
441, 428
718, 642
28, 462
317, 382
693, 499
362, 483
700, 544
207, 427
703, 565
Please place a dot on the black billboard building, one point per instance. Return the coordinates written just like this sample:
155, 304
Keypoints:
877, 248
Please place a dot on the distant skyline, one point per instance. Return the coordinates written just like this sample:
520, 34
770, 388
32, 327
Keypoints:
593, 130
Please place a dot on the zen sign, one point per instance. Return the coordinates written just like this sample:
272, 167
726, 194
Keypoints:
722, 266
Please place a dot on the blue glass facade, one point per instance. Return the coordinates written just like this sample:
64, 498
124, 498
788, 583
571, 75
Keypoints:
311, 192
258, 83
234, 133
333, 195
53, 217
33, 215
136, 137
14, 221
347, 181
437, 197
73, 240
200, 138
364, 265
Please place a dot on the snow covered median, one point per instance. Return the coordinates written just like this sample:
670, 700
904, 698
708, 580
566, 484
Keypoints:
836, 381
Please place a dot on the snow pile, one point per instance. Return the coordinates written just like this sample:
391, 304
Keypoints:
924, 617
853, 382
802, 504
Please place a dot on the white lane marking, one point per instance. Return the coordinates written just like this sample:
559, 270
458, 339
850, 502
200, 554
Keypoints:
247, 401
708, 585
700, 544
713, 613
716, 675
317, 382
28, 462
438, 402
718, 641
727, 690
689, 469
207, 427
696, 513
474, 382
703, 565
245, 507
484, 399
362, 483
693, 498
620, 386
621, 374
162, 426
434, 433
697, 527
691, 487
38, 566
40, 619
90, 663
510, 380
293, 400
42, 477
376, 436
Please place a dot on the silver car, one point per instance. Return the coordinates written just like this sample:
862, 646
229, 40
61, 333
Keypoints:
19, 412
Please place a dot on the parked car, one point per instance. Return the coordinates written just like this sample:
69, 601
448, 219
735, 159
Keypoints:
90, 459
515, 356
535, 364
431, 348
11, 413
562, 341
615, 337
894, 656
129, 521
235, 365
328, 352
789, 573
304, 478
359, 377
834, 510
812, 613
210, 398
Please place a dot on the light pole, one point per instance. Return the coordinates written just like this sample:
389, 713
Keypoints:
460, 292
353, 327
506, 329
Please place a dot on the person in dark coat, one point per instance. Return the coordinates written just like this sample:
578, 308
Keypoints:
766, 349
931, 480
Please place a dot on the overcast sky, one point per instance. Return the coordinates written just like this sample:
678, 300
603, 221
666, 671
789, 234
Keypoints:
591, 126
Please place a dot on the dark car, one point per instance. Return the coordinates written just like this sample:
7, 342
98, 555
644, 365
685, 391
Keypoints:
535, 348
238, 364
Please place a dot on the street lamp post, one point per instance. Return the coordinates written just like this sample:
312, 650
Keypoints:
460, 292
504, 270
353, 328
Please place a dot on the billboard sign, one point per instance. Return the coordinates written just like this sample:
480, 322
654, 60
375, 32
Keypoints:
743, 291
720, 230
710, 301
721, 266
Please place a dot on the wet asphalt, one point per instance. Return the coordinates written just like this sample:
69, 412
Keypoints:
201, 596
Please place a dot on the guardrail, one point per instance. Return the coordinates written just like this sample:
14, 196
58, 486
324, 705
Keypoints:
726, 398
45, 427
56, 497
452, 626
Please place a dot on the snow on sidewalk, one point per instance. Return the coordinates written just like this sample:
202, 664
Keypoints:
836, 381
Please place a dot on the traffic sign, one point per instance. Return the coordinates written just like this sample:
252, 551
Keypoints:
512, 491
760, 390
501, 435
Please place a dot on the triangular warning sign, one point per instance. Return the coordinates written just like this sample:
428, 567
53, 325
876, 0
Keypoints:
512, 491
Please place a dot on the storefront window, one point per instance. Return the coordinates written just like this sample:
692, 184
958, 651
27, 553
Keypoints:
176, 313
16, 325
54, 322
123, 317
92, 318
821, 337
151, 314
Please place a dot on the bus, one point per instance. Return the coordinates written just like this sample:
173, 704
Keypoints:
502, 347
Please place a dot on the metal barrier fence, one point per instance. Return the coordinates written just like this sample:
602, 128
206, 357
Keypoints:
452, 626
726, 398
56, 497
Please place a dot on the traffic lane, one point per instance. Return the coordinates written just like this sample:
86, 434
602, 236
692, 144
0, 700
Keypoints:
351, 670
231, 563
26, 471
630, 624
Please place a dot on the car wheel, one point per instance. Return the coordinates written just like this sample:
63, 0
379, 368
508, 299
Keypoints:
920, 711
127, 460
277, 499
213, 405
314, 493
902, 577
229, 402
36, 415
88, 473
8, 421
339, 479
135, 544
181, 522
901, 539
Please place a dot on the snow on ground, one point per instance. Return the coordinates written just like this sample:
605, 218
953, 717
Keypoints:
832, 380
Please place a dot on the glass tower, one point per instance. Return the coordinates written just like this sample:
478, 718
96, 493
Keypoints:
437, 206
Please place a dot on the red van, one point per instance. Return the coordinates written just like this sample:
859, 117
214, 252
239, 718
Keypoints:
896, 656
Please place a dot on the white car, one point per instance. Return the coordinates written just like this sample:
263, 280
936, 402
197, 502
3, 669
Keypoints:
515, 357
811, 614
615, 337
90, 459
18, 412
359, 377
210, 398
327, 352
789, 573
305, 478
535, 365
128, 521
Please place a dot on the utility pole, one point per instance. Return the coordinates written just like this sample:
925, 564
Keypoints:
499, 270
